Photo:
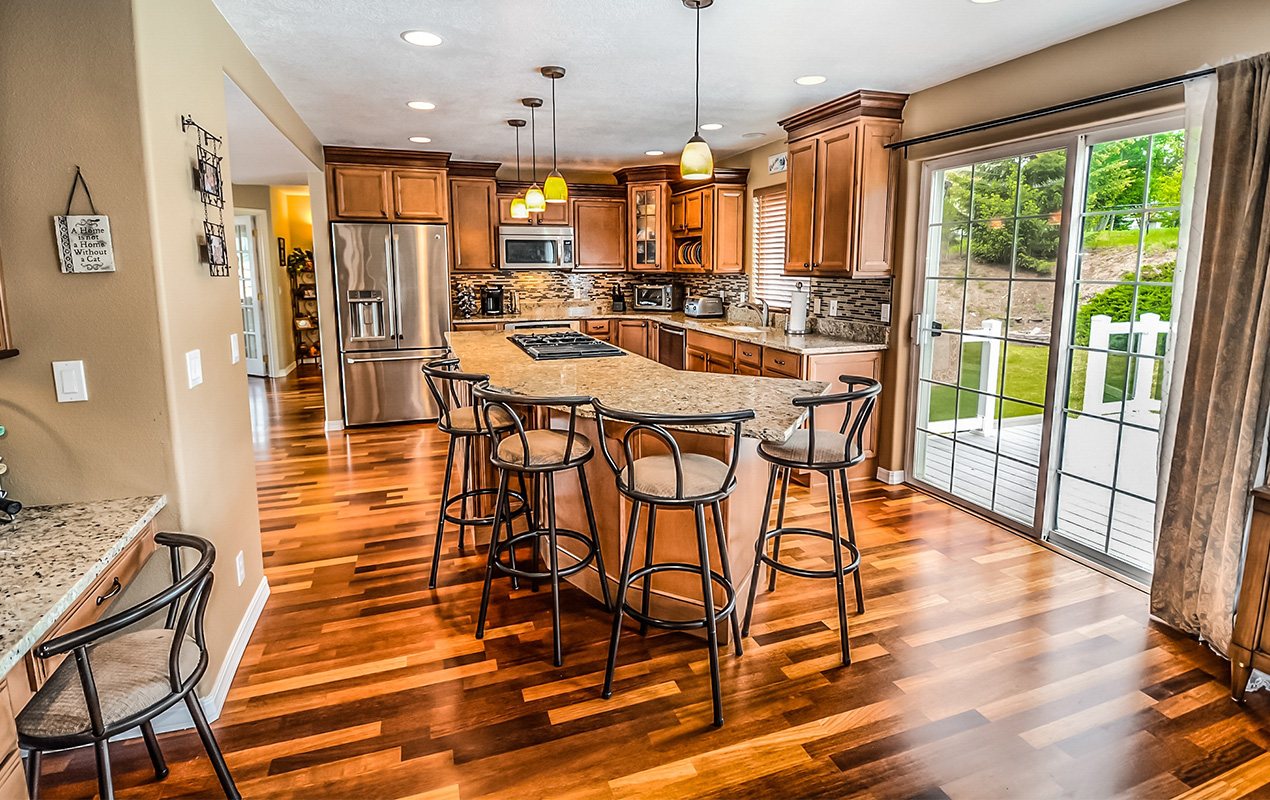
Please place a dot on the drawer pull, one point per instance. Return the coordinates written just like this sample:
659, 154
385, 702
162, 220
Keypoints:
115, 588
778, 361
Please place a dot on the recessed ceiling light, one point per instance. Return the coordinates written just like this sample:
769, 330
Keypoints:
422, 38
712, 126
421, 105
420, 139
753, 135
983, 1
654, 152
809, 80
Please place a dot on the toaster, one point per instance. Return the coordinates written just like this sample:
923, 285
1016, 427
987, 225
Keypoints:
707, 306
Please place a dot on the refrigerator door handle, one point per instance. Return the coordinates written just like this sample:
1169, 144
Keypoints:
396, 282
351, 360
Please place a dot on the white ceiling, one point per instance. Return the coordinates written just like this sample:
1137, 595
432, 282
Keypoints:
345, 69
258, 152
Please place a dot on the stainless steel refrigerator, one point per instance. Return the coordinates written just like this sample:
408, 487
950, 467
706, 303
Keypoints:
393, 288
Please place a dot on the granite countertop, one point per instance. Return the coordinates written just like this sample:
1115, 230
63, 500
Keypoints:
635, 383
809, 344
51, 555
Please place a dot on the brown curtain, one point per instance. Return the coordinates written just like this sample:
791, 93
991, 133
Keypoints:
1226, 395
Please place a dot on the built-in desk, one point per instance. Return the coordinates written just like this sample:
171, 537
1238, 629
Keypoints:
59, 568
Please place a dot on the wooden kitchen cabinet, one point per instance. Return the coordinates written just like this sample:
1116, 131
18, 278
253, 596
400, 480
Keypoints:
841, 185
473, 210
715, 217
632, 336
709, 353
360, 192
419, 195
556, 214
599, 328
649, 226
599, 234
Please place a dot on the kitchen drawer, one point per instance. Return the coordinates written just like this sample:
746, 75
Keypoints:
86, 609
12, 778
748, 369
782, 362
599, 328
749, 354
710, 343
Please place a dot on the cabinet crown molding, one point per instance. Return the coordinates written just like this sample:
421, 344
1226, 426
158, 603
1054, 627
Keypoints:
860, 103
473, 169
377, 157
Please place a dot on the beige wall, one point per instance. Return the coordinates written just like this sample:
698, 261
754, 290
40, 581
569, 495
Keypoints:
1171, 42
104, 85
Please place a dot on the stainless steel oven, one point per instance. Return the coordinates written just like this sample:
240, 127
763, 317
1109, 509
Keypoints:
661, 297
531, 247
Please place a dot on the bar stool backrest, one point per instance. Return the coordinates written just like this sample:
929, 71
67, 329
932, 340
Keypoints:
859, 399
444, 381
658, 427
489, 400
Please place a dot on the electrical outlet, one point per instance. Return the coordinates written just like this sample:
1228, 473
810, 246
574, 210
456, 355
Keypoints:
578, 292
194, 367
886, 312
233, 348
833, 308
242, 568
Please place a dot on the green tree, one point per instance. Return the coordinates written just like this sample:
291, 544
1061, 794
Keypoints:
1117, 302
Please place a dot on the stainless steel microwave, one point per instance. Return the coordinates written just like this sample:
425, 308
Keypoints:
661, 297
533, 247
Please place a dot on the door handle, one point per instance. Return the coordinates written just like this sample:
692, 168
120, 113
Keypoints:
936, 329
380, 360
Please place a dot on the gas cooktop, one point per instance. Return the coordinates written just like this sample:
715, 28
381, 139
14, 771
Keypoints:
563, 344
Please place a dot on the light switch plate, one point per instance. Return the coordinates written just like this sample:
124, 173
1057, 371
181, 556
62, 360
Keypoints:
833, 308
194, 367
242, 568
815, 306
68, 379
233, 348
886, 312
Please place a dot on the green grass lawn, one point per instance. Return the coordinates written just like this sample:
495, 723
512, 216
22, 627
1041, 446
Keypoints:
1157, 238
1024, 368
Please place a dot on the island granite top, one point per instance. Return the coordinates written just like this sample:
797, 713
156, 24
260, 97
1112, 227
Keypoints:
634, 383
51, 555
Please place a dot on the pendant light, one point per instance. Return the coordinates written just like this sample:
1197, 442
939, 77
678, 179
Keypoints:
556, 190
697, 162
534, 198
519, 209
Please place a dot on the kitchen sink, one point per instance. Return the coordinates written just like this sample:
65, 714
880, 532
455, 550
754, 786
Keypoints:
740, 328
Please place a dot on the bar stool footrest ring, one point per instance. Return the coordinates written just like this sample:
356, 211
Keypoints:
505, 547
720, 613
520, 506
847, 568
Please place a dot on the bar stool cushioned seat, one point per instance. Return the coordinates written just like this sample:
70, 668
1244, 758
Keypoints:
546, 447
131, 673
830, 448
464, 419
655, 475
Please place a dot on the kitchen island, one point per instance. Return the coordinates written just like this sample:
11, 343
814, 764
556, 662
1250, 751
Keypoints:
634, 383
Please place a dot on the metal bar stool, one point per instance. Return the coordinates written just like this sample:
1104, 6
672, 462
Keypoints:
827, 452
674, 480
541, 453
462, 423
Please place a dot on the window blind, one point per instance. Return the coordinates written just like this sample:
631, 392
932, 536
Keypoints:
768, 280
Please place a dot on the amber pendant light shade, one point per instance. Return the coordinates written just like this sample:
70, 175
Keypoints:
555, 190
519, 209
697, 162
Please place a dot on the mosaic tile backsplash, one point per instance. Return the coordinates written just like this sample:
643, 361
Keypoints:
858, 300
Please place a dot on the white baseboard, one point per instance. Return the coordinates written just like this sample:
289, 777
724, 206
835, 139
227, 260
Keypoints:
284, 373
177, 718
894, 477
334, 425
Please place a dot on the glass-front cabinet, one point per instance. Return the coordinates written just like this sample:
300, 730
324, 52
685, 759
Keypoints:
648, 226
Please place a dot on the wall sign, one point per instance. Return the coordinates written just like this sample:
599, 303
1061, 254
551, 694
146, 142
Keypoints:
83, 240
777, 163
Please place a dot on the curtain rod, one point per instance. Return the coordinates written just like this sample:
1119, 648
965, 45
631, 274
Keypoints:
1045, 112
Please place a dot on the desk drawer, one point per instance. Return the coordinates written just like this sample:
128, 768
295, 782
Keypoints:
86, 608
781, 362
749, 354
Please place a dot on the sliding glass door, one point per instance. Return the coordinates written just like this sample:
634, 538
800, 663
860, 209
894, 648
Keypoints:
1042, 334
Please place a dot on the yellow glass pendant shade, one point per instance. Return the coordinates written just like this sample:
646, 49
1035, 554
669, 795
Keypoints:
519, 209
534, 200
697, 162
555, 189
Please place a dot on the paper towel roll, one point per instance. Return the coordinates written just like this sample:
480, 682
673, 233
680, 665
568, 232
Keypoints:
797, 311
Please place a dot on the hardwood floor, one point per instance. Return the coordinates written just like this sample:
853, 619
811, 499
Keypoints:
986, 666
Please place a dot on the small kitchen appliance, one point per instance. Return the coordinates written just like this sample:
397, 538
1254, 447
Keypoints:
492, 301
667, 297
703, 306
535, 247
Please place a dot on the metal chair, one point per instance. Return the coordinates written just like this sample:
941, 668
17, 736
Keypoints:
541, 453
674, 480
827, 452
124, 671
463, 424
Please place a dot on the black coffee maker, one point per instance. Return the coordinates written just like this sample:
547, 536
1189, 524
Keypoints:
492, 301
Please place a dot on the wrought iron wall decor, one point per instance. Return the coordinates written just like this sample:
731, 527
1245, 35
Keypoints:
208, 182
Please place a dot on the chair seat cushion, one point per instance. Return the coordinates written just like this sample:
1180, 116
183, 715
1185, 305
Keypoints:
831, 448
546, 447
655, 475
131, 674
464, 419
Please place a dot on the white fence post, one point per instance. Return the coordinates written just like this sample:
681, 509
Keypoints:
1148, 330
989, 375
1096, 365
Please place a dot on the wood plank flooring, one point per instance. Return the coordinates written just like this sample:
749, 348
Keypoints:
986, 666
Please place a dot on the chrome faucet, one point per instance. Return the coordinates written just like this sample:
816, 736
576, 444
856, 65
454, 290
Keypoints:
761, 308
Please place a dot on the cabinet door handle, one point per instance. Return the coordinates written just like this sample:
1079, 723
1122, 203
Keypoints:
806, 265
115, 588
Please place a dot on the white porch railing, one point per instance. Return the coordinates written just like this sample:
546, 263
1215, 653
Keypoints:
1144, 341
985, 418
